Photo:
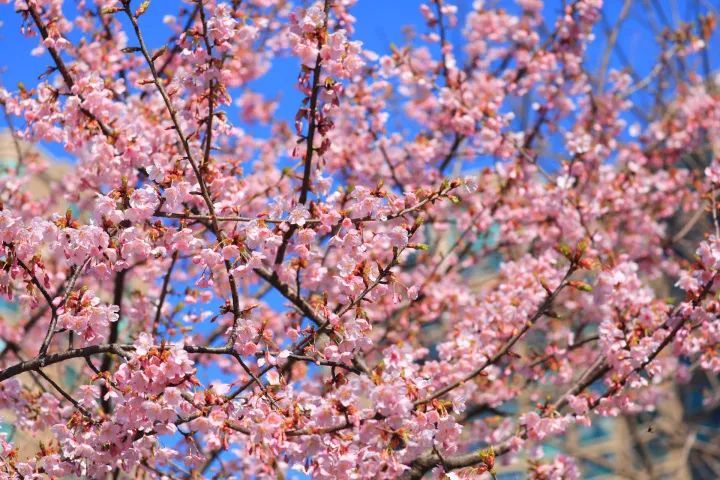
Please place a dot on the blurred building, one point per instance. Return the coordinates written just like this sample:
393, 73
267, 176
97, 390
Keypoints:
680, 440
38, 187
39, 183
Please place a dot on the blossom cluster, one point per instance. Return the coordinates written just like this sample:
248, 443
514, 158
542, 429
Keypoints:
410, 276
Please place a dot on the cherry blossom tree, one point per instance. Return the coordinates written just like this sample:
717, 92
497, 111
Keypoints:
247, 295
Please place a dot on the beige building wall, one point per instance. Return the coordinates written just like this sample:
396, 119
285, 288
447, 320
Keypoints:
38, 187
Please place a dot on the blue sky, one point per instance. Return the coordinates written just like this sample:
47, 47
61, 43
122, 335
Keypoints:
379, 23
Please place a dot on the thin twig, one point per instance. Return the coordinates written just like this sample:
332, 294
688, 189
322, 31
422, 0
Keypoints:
163, 293
54, 308
66, 395
505, 349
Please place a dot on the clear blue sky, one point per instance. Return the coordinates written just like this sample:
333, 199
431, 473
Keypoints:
380, 23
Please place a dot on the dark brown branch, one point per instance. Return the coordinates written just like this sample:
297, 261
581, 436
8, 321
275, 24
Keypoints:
195, 167
177, 48
312, 113
310, 139
443, 39
163, 293
54, 308
65, 395
116, 348
107, 359
211, 89
451, 153
62, 68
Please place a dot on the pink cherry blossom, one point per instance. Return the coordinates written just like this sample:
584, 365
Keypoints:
452, 252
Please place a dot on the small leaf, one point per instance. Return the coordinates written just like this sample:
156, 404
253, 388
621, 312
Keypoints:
142, 8
111, 10
159, 52
565, 250
582, 286
583, 245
